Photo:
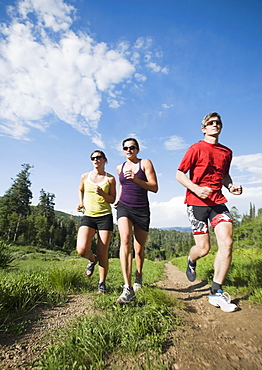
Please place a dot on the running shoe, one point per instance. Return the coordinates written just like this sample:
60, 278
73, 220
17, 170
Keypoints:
127, 296
101, 288
191, 271
138, 282
90, 268
222, 299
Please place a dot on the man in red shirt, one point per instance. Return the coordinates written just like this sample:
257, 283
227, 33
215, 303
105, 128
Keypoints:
208, 163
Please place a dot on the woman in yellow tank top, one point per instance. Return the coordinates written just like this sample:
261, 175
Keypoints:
97, 190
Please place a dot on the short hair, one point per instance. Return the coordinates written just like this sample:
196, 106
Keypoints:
101, 153
130, 139
208, 116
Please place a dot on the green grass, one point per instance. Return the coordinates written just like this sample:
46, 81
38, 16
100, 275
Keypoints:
116, 332
113, 334
244, 278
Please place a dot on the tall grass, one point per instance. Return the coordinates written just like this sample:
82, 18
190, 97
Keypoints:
244, 277
117, 334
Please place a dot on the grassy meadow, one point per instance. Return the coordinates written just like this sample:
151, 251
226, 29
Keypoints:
113, 332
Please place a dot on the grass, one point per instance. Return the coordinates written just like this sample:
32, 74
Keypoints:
244, 277
114, 331
114, 334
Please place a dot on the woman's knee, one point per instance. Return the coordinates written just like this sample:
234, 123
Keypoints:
80, 250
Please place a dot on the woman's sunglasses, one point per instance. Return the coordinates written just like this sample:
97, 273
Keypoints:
97, 157
131, 147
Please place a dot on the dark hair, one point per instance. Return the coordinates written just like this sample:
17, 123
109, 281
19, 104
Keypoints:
130, 139
101, 153
208, 116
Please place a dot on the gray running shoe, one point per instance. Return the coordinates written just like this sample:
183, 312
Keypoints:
101, 288
222, 299
127, 296
90, 268
190, 271
138, 282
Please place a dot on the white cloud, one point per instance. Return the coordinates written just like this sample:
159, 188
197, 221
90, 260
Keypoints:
251, 165
46, 70
166, 106
175, 143
242, 202
140, 77
54, 14
169, 214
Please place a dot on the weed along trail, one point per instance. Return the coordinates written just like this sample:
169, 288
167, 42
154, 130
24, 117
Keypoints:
210, 338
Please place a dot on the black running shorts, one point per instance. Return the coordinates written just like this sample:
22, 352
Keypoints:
98, 223
199, 216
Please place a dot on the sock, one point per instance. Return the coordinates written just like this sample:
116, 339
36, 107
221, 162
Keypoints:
193, 264
215, 286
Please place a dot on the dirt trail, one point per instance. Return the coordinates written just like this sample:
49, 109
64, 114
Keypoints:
209, 339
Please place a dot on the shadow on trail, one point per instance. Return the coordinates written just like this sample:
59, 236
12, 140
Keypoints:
202, 288
192, 288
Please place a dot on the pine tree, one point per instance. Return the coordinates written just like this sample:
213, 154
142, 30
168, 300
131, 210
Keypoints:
15, 204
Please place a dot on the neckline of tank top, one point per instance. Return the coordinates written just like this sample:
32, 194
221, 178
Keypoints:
97, 183
139, 166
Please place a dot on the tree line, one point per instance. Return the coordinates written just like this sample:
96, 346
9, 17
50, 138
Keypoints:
43, 227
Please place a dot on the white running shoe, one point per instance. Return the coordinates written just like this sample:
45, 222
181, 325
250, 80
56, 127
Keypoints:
127, 296
222, 299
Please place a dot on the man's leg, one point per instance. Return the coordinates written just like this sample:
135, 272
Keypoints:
217, 297
223, 259
200, 249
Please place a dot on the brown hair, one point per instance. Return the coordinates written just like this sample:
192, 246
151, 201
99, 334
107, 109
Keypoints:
208, 116
101, 153
131, 139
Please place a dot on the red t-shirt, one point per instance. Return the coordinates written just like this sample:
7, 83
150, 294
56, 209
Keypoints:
207, 164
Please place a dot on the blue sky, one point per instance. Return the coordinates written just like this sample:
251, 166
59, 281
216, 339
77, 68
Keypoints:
76, 76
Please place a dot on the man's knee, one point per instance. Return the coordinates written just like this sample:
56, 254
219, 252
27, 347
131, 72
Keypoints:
204, 251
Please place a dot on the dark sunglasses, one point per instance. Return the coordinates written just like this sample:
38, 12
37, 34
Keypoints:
210, 123
97, 157
131, 147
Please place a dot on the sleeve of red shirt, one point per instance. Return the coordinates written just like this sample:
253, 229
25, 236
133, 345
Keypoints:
188, 160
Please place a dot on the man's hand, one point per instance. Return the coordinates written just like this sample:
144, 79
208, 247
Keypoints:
235, 189
203, 192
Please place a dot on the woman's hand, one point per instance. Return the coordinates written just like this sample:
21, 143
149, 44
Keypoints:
99, 191
129, 174
80, 208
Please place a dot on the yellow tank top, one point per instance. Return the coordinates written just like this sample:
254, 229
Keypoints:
96, 205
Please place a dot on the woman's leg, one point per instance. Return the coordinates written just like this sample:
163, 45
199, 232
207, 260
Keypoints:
139, 245
125, 231
102, 253
84, 242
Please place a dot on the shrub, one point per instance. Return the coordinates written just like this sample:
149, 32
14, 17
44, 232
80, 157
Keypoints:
6, 256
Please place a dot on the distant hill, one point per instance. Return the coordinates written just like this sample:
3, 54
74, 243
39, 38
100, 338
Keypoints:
67, 216
183, 229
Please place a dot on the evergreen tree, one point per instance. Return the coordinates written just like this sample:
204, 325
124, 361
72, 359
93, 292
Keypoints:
15, 205
235, 216
46, 206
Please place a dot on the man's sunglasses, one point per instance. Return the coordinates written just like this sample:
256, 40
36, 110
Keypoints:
210, 123
131, 147
97, 157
